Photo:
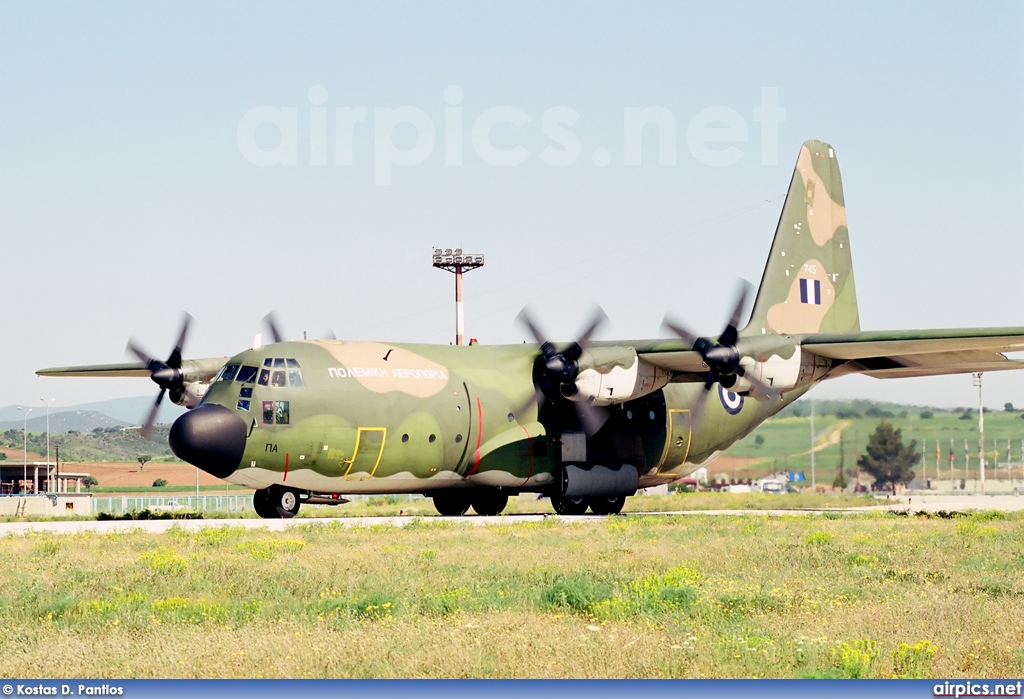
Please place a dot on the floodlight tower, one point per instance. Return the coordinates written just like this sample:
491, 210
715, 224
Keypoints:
457, 262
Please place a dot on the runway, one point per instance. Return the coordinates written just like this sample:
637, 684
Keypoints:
903, 503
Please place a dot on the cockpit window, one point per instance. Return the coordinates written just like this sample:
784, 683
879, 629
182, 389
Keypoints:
247, 374
295, 378
292, 363
268, 362
281, 412
278, 379
278, 363
229, 372
264, 377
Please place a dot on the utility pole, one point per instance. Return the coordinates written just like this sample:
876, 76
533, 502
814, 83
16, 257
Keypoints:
981, 434
24, 456
812, 446
457, 262
47, 406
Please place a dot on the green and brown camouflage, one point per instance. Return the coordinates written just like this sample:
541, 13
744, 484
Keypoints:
469, 425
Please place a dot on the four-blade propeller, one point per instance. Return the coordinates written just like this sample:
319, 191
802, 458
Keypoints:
556, 376
721, 358
165, 374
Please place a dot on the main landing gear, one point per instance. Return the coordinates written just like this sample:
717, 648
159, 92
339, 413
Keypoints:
276, 502
598, 505
486, 503
489, 503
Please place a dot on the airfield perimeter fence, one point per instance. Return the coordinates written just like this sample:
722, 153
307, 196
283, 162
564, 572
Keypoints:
122, 504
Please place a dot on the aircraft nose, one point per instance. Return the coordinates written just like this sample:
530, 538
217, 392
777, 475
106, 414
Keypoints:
211, 437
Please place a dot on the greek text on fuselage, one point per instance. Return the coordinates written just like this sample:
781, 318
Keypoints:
385, 373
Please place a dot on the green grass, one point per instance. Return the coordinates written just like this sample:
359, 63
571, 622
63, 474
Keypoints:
871, 595
786, 441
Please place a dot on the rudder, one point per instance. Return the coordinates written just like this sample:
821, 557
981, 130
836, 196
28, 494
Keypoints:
808, 286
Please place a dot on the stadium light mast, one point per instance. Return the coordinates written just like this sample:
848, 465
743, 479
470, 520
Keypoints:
981, 434
457, 262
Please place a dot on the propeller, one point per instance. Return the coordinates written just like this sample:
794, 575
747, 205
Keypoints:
270, 320
722, 358
557, 375
165, 374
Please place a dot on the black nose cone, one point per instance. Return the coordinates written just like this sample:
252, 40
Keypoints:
211, 437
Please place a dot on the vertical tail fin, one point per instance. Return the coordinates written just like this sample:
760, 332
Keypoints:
807, 285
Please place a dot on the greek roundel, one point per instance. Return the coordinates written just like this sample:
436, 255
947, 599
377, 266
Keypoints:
810, 291
732, 402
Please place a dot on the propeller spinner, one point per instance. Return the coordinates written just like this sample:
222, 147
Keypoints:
722, 358
557, 374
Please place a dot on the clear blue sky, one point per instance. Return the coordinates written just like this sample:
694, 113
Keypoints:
125, 196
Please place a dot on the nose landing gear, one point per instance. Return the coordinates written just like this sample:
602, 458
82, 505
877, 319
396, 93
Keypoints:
276, 502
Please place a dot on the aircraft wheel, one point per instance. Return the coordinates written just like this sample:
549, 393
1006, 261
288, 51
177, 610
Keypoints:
489, 504
451, 504
607, 506
569, 506
285, 501
261, 502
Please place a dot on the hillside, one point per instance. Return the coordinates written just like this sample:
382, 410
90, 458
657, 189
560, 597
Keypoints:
110, 444
842, 429
66, 421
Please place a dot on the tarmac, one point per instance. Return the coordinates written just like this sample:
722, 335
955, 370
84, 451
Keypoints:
912, 502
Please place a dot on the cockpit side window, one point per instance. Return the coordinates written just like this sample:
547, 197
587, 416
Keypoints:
268, 362
292, 363
264, 377
282, 414
229, 372
247, 374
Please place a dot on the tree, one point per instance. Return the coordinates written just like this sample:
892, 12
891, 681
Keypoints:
1008, 407
89, 482
159, 483
840, 482
888, 460
142, 461
758, 439
3, 456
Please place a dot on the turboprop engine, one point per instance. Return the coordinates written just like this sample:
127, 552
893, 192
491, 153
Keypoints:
610, 375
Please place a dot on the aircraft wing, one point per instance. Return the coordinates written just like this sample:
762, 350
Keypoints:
905, 353
193, 369
134, 369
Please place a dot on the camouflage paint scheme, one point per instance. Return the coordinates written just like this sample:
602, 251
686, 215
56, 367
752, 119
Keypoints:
399, 418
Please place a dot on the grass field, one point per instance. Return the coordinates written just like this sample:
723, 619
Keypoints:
871, 595
787, 442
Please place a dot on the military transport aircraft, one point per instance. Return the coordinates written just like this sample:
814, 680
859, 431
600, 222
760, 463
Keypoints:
586, 423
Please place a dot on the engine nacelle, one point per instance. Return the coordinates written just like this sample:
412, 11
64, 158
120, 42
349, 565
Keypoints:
191, 396
782, 374
610, 375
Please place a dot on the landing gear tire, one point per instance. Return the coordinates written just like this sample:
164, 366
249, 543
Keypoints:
284, 503
451, 504
607, 505
263, 504
489, 504
569, 506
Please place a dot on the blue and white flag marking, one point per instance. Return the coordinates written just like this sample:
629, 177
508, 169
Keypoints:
810, 291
